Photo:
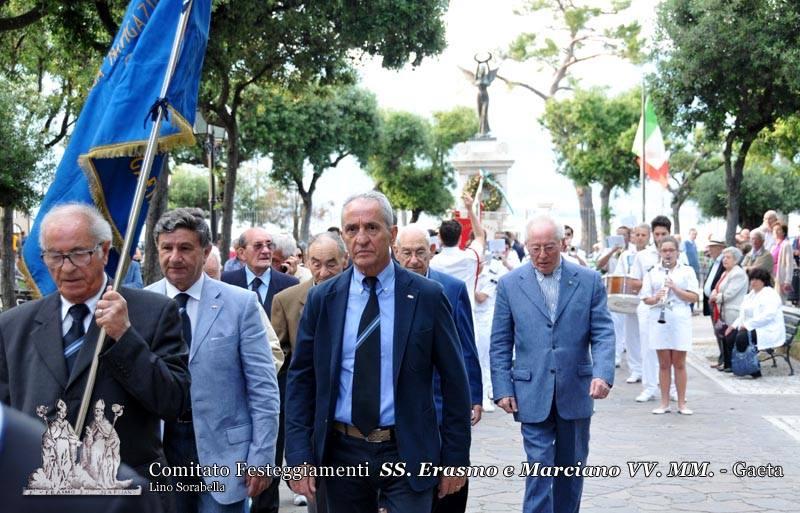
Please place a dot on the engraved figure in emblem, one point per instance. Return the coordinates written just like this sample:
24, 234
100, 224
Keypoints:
59, 447
100, 457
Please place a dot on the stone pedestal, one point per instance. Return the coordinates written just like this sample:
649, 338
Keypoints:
492, 156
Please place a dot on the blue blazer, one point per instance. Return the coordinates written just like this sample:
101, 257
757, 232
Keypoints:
234, 389
554, 360
425, 339
277, 282
456, 292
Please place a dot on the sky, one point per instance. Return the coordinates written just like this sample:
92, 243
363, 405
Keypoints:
438, 84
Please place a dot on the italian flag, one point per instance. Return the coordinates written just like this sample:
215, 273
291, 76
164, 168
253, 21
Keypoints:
656, 157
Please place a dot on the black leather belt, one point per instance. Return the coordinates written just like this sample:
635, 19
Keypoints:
375, 436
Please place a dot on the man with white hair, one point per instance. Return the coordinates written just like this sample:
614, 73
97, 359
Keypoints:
213, 266
552, 353
47, 345
770, 220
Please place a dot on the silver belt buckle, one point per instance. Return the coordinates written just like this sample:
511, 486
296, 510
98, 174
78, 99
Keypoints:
376, 436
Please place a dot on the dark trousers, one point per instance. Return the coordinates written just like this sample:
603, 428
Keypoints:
268, 501
453, 503
738, 339
360, 494
181, 450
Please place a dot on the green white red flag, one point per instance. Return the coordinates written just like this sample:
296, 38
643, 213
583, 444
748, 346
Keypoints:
656, 156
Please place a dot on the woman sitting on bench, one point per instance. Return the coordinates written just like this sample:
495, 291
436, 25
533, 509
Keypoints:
761, 315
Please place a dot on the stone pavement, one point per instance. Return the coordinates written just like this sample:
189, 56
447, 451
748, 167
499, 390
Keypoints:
736, 419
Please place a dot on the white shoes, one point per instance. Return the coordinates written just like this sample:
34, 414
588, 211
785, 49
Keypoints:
634, 378
300, 500
685, 411
644, 397
661, 411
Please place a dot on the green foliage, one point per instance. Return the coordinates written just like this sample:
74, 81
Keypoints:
593, 135
188, 187
584, 31
732, 65
25, 168
320, 127
762, 190
410, 162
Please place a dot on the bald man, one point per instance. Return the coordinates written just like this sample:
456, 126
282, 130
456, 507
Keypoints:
413, 251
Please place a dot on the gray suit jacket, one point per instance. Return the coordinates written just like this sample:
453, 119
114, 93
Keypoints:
234, 388
555, 360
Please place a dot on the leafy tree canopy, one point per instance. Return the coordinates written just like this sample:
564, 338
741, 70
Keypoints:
410, 162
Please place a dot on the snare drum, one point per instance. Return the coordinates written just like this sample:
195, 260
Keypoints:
621, 295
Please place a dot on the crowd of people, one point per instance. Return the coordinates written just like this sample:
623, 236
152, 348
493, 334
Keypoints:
378, 346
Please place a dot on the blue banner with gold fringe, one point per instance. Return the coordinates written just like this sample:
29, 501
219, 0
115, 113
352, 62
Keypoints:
102, 161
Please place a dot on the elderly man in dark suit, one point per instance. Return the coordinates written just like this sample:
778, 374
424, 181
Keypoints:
257, 274
413, 252
47, 345
360, 385
327, 257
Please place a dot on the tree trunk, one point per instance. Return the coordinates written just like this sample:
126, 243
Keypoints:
605, 211
230, 186
305, 225
7, 256
414, 215
588, 223
734, 171
676, 215
151, 270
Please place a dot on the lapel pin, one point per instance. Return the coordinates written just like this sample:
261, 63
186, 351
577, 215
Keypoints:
213, 307
410, 296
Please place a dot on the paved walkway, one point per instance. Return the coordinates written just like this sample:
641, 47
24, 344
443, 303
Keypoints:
736, 419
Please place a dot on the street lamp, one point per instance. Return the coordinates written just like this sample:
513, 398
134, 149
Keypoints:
214, 136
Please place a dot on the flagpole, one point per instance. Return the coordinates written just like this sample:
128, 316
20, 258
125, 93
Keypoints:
643, 160
136, 207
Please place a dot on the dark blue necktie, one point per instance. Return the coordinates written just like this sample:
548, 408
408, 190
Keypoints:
182, 299
254, 287
366, 407
73, 340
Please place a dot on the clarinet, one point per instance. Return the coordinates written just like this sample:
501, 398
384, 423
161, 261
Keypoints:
663, 303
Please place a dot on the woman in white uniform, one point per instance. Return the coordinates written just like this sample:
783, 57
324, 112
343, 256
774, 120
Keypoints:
669, 289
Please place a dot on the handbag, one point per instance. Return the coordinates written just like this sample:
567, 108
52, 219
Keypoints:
744, 363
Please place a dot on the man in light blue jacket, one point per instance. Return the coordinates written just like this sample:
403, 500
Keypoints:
234, 392
553, 314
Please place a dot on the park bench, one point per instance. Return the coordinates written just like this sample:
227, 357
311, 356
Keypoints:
791, 318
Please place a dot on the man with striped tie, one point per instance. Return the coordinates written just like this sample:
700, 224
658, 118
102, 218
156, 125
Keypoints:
47, 345
360, 385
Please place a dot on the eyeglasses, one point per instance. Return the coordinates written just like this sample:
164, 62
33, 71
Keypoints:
420, 253
535, 250
258, 246
78, 257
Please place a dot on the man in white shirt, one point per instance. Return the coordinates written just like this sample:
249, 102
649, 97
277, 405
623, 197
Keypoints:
770, 219
463, 264
626, 325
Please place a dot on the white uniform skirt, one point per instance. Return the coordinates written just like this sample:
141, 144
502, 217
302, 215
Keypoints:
676, 333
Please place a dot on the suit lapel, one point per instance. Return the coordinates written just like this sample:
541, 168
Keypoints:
567, 286
405, 302
48, 340
530, 287
210, 306
336, 305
